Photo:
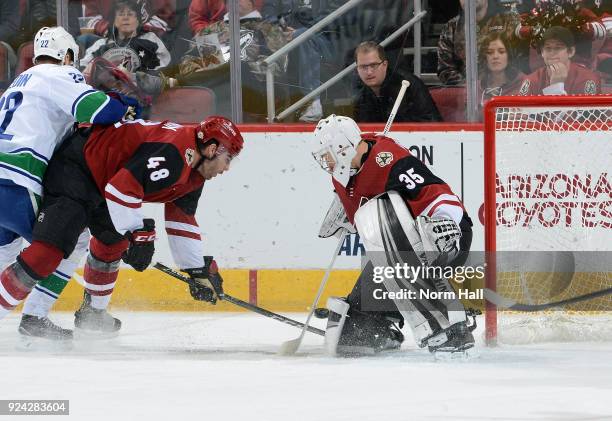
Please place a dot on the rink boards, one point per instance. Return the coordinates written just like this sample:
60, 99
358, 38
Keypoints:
260, 220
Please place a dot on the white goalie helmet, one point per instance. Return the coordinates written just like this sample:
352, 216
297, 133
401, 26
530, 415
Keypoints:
337, 138
55, 42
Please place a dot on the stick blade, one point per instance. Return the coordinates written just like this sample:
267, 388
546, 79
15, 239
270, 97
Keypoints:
290, 347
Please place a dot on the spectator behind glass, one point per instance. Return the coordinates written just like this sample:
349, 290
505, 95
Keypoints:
9, 24
379, 89
604, 55
497, 66
136, 53
296, 16
207, 62
451, 45
157, 15
203, 13
560, 76
586, 27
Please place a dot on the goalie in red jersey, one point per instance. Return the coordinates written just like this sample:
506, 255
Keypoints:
389, 195
98, 179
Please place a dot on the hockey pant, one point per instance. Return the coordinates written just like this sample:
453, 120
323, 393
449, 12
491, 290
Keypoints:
382, 225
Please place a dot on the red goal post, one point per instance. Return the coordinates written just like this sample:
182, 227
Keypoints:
525, 120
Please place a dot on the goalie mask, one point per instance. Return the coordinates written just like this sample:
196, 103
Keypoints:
55, 42
338, 137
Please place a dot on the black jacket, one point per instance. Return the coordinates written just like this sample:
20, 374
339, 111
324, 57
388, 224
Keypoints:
417, 105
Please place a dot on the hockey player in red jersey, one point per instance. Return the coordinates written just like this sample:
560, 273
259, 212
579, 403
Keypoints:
381, 187
99, 179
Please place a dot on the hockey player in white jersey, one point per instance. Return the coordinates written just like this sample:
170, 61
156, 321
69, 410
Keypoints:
38, 110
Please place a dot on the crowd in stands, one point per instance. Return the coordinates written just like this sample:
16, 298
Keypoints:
148, 47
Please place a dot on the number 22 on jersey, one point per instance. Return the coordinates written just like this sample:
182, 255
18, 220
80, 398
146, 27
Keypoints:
8, 105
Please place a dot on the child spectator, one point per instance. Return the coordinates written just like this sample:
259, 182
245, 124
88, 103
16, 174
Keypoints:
560, 76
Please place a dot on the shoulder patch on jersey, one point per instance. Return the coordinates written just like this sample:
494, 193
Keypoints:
525, 87
590, 87
189, 154
384, 158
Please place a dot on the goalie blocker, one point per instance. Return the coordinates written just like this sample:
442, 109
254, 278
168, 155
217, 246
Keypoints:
394, 185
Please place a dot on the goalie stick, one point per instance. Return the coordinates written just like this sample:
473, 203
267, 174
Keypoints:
493, 297
243, 304
503, 302
398, 100
291, 347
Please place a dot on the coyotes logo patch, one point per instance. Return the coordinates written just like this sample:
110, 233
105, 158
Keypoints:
590, 88
525, 87
189, 154
384, 158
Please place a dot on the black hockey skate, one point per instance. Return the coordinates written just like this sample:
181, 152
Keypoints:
95, 322
454, 339
40, 333
42, 327
362, 333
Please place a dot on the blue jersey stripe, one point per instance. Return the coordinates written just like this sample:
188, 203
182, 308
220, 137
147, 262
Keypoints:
33, 152
25, 174
45, 291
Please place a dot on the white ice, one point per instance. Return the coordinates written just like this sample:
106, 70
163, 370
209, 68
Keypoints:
208, 366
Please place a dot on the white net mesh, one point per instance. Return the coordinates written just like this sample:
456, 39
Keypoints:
553, 194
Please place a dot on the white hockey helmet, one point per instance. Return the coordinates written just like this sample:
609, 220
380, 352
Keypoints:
338, 137
55, 42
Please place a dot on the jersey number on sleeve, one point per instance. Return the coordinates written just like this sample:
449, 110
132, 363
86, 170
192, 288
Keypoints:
154, 163
411, 179
8, 105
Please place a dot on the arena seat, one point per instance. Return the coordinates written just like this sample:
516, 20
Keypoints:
25, 54
451, 102
184, 105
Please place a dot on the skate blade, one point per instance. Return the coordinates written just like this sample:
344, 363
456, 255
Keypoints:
34, 344
82, 334
461, 355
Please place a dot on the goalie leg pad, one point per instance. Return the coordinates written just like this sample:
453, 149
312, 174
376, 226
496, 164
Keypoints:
338, 308
387, 227
352, 333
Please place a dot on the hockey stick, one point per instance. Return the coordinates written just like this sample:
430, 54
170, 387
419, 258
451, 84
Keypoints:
493, 297
503, 302
398, 100
243, 304
291, 347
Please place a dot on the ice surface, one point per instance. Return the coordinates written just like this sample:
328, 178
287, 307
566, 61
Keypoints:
207, 366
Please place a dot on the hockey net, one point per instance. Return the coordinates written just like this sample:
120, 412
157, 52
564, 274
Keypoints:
548, 188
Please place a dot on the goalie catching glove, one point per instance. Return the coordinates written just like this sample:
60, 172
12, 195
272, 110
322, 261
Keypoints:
142, 246
206, 282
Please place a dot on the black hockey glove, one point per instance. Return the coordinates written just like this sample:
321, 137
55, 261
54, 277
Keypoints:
142, 246
207, 283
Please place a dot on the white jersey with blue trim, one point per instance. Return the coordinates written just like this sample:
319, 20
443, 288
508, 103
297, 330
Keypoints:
37, 111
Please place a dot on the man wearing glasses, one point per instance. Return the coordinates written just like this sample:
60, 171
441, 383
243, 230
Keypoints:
380, 85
